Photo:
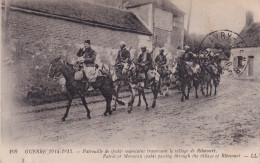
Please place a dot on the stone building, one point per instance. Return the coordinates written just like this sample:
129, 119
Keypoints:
40, 30
248, 57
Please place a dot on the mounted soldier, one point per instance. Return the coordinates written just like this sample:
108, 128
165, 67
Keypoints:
145, 62
86, 60
216, 58
160, 62
122, 57
188, 55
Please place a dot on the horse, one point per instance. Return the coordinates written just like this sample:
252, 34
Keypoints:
210, 75
196, 76
174, 77
60, 66
136, 82
184, 76
215, 76
117, 82
163, 79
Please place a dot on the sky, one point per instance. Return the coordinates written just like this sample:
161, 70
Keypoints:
211, 15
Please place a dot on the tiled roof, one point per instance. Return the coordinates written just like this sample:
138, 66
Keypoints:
251, 34
87, 12
164, 5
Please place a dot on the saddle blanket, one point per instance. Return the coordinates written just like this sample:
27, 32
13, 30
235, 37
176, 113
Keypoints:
194, 67
91, 73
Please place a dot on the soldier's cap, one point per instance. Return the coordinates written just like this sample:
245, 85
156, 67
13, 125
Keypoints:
87, 41
186, 47
122, 43
143, 47
161, 50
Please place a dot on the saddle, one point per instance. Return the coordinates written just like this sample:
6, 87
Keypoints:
86, 73
194, 67
188, 68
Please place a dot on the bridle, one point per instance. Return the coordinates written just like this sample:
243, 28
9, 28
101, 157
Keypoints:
57, 75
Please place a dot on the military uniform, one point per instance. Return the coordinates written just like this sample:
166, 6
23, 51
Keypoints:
160, 61
188, 56
145, 62
123, 56
88, 57
145, 59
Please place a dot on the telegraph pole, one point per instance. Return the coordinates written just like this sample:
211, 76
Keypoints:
4, 27
188, 25
5, 21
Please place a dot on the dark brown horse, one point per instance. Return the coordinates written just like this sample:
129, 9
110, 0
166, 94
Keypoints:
60, 66
215, 76
184, 76
205, 80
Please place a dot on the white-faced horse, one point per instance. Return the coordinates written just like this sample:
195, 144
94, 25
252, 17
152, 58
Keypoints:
136, 82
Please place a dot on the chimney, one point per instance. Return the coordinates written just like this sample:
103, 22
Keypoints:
249, 18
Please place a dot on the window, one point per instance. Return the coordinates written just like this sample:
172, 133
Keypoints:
174, 22
239, 60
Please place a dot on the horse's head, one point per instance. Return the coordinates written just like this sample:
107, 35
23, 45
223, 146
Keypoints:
127, 67
55, 67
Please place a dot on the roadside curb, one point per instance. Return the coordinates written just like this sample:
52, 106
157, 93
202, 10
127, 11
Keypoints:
75, 102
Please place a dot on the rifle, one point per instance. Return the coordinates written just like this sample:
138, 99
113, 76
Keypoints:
130, 48
152, 50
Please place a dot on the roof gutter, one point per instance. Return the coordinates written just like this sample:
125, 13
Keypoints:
91, 23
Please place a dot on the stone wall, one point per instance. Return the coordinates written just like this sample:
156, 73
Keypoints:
32, 41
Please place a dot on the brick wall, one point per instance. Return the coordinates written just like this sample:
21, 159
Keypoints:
34, 40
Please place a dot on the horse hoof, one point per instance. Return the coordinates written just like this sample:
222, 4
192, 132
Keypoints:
114, 109
105, 114
147, 107
63, 119
129, 111
182, 100
89, 117
166, 94
197, 96
153, 105
138, 104
110, 112
186, 98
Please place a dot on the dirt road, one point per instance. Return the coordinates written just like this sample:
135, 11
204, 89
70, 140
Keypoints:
231, 118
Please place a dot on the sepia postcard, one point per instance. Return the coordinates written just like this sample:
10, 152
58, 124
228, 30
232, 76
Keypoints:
130, 81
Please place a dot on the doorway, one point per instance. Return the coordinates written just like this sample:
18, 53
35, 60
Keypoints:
250, 65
